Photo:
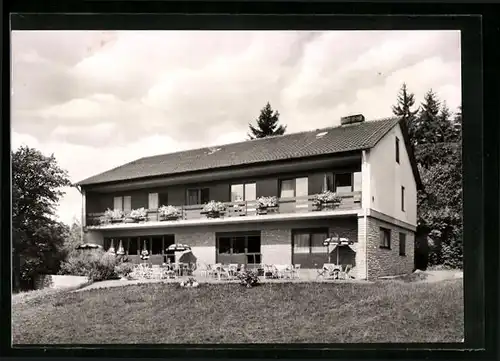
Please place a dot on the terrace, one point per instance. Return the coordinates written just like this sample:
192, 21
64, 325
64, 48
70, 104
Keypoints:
239, 211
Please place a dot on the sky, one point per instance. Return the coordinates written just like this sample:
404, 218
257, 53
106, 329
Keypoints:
99, 99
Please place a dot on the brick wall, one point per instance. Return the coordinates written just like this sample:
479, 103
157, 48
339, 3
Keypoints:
202, 242
276, 246
388, 262
359, 271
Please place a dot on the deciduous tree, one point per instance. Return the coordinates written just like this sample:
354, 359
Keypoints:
38, 237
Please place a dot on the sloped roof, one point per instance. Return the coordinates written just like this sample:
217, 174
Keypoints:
338, 139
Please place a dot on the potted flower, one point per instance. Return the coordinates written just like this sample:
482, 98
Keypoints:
190, 283
264, 204
169, 213
326, 199
138, 215
113, 215
214, 209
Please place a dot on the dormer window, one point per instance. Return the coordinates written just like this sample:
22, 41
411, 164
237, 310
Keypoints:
397, 150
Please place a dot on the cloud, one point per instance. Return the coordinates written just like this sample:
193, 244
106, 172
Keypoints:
99, 99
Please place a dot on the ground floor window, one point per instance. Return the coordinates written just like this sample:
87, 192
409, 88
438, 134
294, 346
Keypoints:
241, 248
307, 247
156, 245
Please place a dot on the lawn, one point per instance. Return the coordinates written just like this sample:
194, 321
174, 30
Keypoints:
387, 311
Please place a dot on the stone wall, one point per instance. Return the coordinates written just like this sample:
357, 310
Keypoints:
388, 262
60, 281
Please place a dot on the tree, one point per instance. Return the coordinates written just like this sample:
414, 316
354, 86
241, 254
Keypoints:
37, 236
426, 124
73, 238
403, 108
267, 124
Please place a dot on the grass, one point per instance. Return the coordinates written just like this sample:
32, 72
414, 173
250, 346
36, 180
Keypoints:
387, 311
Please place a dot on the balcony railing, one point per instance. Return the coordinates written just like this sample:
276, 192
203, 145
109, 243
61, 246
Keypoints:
349, 201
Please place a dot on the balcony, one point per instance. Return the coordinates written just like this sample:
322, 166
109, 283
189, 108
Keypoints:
240, 211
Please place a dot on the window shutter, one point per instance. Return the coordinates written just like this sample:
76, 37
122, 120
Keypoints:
118, 203
153, 201
127, 203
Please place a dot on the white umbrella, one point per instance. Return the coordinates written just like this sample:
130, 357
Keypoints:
178, 247
112, 247
121, 250
337, 241
88, 246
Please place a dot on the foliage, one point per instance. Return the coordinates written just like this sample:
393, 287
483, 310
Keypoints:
38, 238
327, 197
124, 269
248, 278
267, 124
113, 214
214, 207
97, 265
436, 140
403, 108
190, 282
73, 238
265, 202
169, 212
139, 214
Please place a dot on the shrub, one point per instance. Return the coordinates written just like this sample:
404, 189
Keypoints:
97, 265
124, 269
248, 278
265, 202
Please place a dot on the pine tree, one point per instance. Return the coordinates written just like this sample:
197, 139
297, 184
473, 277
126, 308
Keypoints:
267, 124
403, 108
444, 124
427, 122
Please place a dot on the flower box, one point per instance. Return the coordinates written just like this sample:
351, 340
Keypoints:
112, 216
169, 213
326, 200
138, 215
214, 209
266, 205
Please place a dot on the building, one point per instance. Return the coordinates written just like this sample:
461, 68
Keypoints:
369, 165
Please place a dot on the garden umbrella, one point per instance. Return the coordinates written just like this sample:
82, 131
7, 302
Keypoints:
88, 246
337, 242
121, 250
177, 247
112, 247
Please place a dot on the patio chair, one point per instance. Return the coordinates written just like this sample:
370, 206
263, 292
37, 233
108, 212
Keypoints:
328, 270
202, 269
296, 271
220, 271
233, 269
156, 272
345, 273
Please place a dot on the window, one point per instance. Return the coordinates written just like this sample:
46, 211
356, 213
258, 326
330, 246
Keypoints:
243, 192
309, 241
133, 246
157, 245
397, 150
402, 198
237, 192
224, 245
239, 247
287, 188
402, 244
301, 243
385, 238
163, 199
153, 201
342, 182
198, 196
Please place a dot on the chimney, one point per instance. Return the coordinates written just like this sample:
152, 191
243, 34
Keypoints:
352, 119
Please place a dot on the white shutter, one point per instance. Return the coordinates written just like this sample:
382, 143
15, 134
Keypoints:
127, 203
153, 201
118, 203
